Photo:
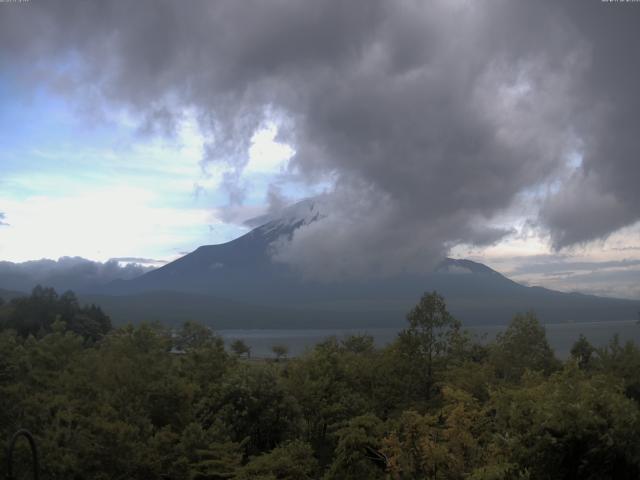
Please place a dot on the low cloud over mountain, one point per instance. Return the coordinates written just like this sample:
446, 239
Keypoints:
67, 273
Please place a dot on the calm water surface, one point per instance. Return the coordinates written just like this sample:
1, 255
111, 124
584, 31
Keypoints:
561, 336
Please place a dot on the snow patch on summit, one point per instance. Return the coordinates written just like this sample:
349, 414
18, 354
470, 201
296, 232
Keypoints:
289, 218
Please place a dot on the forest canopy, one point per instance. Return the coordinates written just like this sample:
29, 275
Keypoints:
147, 402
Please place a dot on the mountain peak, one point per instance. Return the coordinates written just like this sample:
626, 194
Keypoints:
303, 212
461, 266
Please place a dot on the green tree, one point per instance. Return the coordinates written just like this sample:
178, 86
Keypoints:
289, 461
331, 386
432, 332
280, 351
90, 322
571, 425
251, 401
193, 335
622, 361
240, 348
203, 359
36, 314
208, 456
357, 454
523, 345
582, 352
358, 343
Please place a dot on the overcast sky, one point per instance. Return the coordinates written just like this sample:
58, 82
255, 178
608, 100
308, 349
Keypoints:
496, 130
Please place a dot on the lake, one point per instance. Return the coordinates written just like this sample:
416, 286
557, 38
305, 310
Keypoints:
561, 336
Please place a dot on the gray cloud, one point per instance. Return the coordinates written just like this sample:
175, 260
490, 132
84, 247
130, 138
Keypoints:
2, 220
430, 118
603, 195
74, 273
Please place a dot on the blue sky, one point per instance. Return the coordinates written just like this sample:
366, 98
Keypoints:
74, 185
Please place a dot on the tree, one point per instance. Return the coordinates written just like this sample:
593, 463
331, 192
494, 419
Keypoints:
357, 453
36, 314
358, 343
331, 386
290, 461
240, 348
280, 351
431, 333
207, 456
582, 352
523, 345
194, 335
90, 322
571, 425
622, 361
251, 401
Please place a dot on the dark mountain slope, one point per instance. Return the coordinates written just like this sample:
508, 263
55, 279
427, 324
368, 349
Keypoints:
237, 284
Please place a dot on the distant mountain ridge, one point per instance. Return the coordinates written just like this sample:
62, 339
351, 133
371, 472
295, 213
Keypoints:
66, 273
237, 285
225, 280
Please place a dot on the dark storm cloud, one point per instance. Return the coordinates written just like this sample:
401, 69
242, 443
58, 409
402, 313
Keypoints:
603, 195
429, 118
65, 273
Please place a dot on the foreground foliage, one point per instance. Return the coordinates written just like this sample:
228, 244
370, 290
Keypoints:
145, 402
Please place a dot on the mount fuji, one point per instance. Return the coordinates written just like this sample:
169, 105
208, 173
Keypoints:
237, 285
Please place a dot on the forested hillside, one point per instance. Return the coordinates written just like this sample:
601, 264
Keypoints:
146, 402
